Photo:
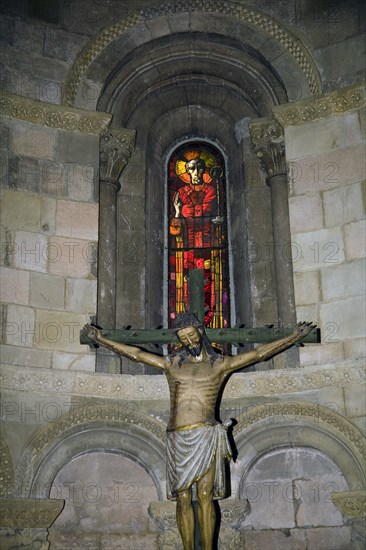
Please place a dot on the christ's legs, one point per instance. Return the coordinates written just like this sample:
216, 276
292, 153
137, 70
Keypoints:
206, 509
185, 518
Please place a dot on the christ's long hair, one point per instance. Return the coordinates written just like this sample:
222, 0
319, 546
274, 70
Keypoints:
185, 320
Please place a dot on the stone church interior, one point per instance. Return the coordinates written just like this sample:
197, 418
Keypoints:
104, 105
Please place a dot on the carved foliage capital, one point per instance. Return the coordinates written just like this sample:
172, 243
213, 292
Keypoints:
116, 147
351, 504
269, 145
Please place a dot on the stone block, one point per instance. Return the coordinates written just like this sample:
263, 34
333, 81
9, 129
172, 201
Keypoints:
344, 319
355, 240
328, 171
30, 251
158, 27
81, 295
83, 184
345, 57
32, 141
14, 286
28, 36
27, 211
20, 327
55, 177
78, 148
60, 331
62, 44
317, 354
315, 507
292, 539
323, 136
307, 287
130, 212
77, 219
308, 313
355, 347
23, 173
355, 399
306, 213
343, 205
316, 249
71, 257
47, 291
324, 538
73, 361
341, 281
27, 357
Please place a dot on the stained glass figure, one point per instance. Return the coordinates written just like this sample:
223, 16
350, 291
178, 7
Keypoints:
198, 230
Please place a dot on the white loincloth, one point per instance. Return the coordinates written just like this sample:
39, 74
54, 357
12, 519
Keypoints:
190, 452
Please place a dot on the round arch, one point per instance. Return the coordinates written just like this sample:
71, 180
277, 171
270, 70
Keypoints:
286, 53
134, 436
301, 424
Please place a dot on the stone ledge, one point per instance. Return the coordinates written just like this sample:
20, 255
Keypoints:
29, 513
53, 116
142, 387
321, 106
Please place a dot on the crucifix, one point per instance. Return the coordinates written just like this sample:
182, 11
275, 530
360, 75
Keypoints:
196, 441
242, 335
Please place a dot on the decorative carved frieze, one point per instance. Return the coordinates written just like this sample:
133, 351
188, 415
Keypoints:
53, 116
29, 513
7, 470
351, 504
245, 14
140, 387
264, 131
116, 147
334, 103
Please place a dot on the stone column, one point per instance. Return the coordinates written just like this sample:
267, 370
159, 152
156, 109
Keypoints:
116, 147
269, 145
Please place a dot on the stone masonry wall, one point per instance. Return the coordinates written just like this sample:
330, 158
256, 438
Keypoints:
49, 222
327, 214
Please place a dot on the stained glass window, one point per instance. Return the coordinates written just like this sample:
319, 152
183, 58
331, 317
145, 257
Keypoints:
198, 231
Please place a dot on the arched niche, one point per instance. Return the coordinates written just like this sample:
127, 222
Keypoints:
103, 492
131, 435
277, 425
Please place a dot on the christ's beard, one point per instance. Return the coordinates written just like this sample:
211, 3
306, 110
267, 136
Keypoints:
194, 350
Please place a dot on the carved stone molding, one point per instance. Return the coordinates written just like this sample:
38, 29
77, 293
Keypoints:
351, 504
116, 147
141, 387
53, 116
7, 470
29, 513
241, 13
334, 103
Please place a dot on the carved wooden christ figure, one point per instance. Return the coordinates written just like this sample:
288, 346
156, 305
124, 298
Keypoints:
197, 444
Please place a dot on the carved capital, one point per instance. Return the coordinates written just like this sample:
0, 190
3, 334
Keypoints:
116, 147
351, 504
269, 145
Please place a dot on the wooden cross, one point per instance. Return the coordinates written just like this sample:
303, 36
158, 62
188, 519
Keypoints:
237, 335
